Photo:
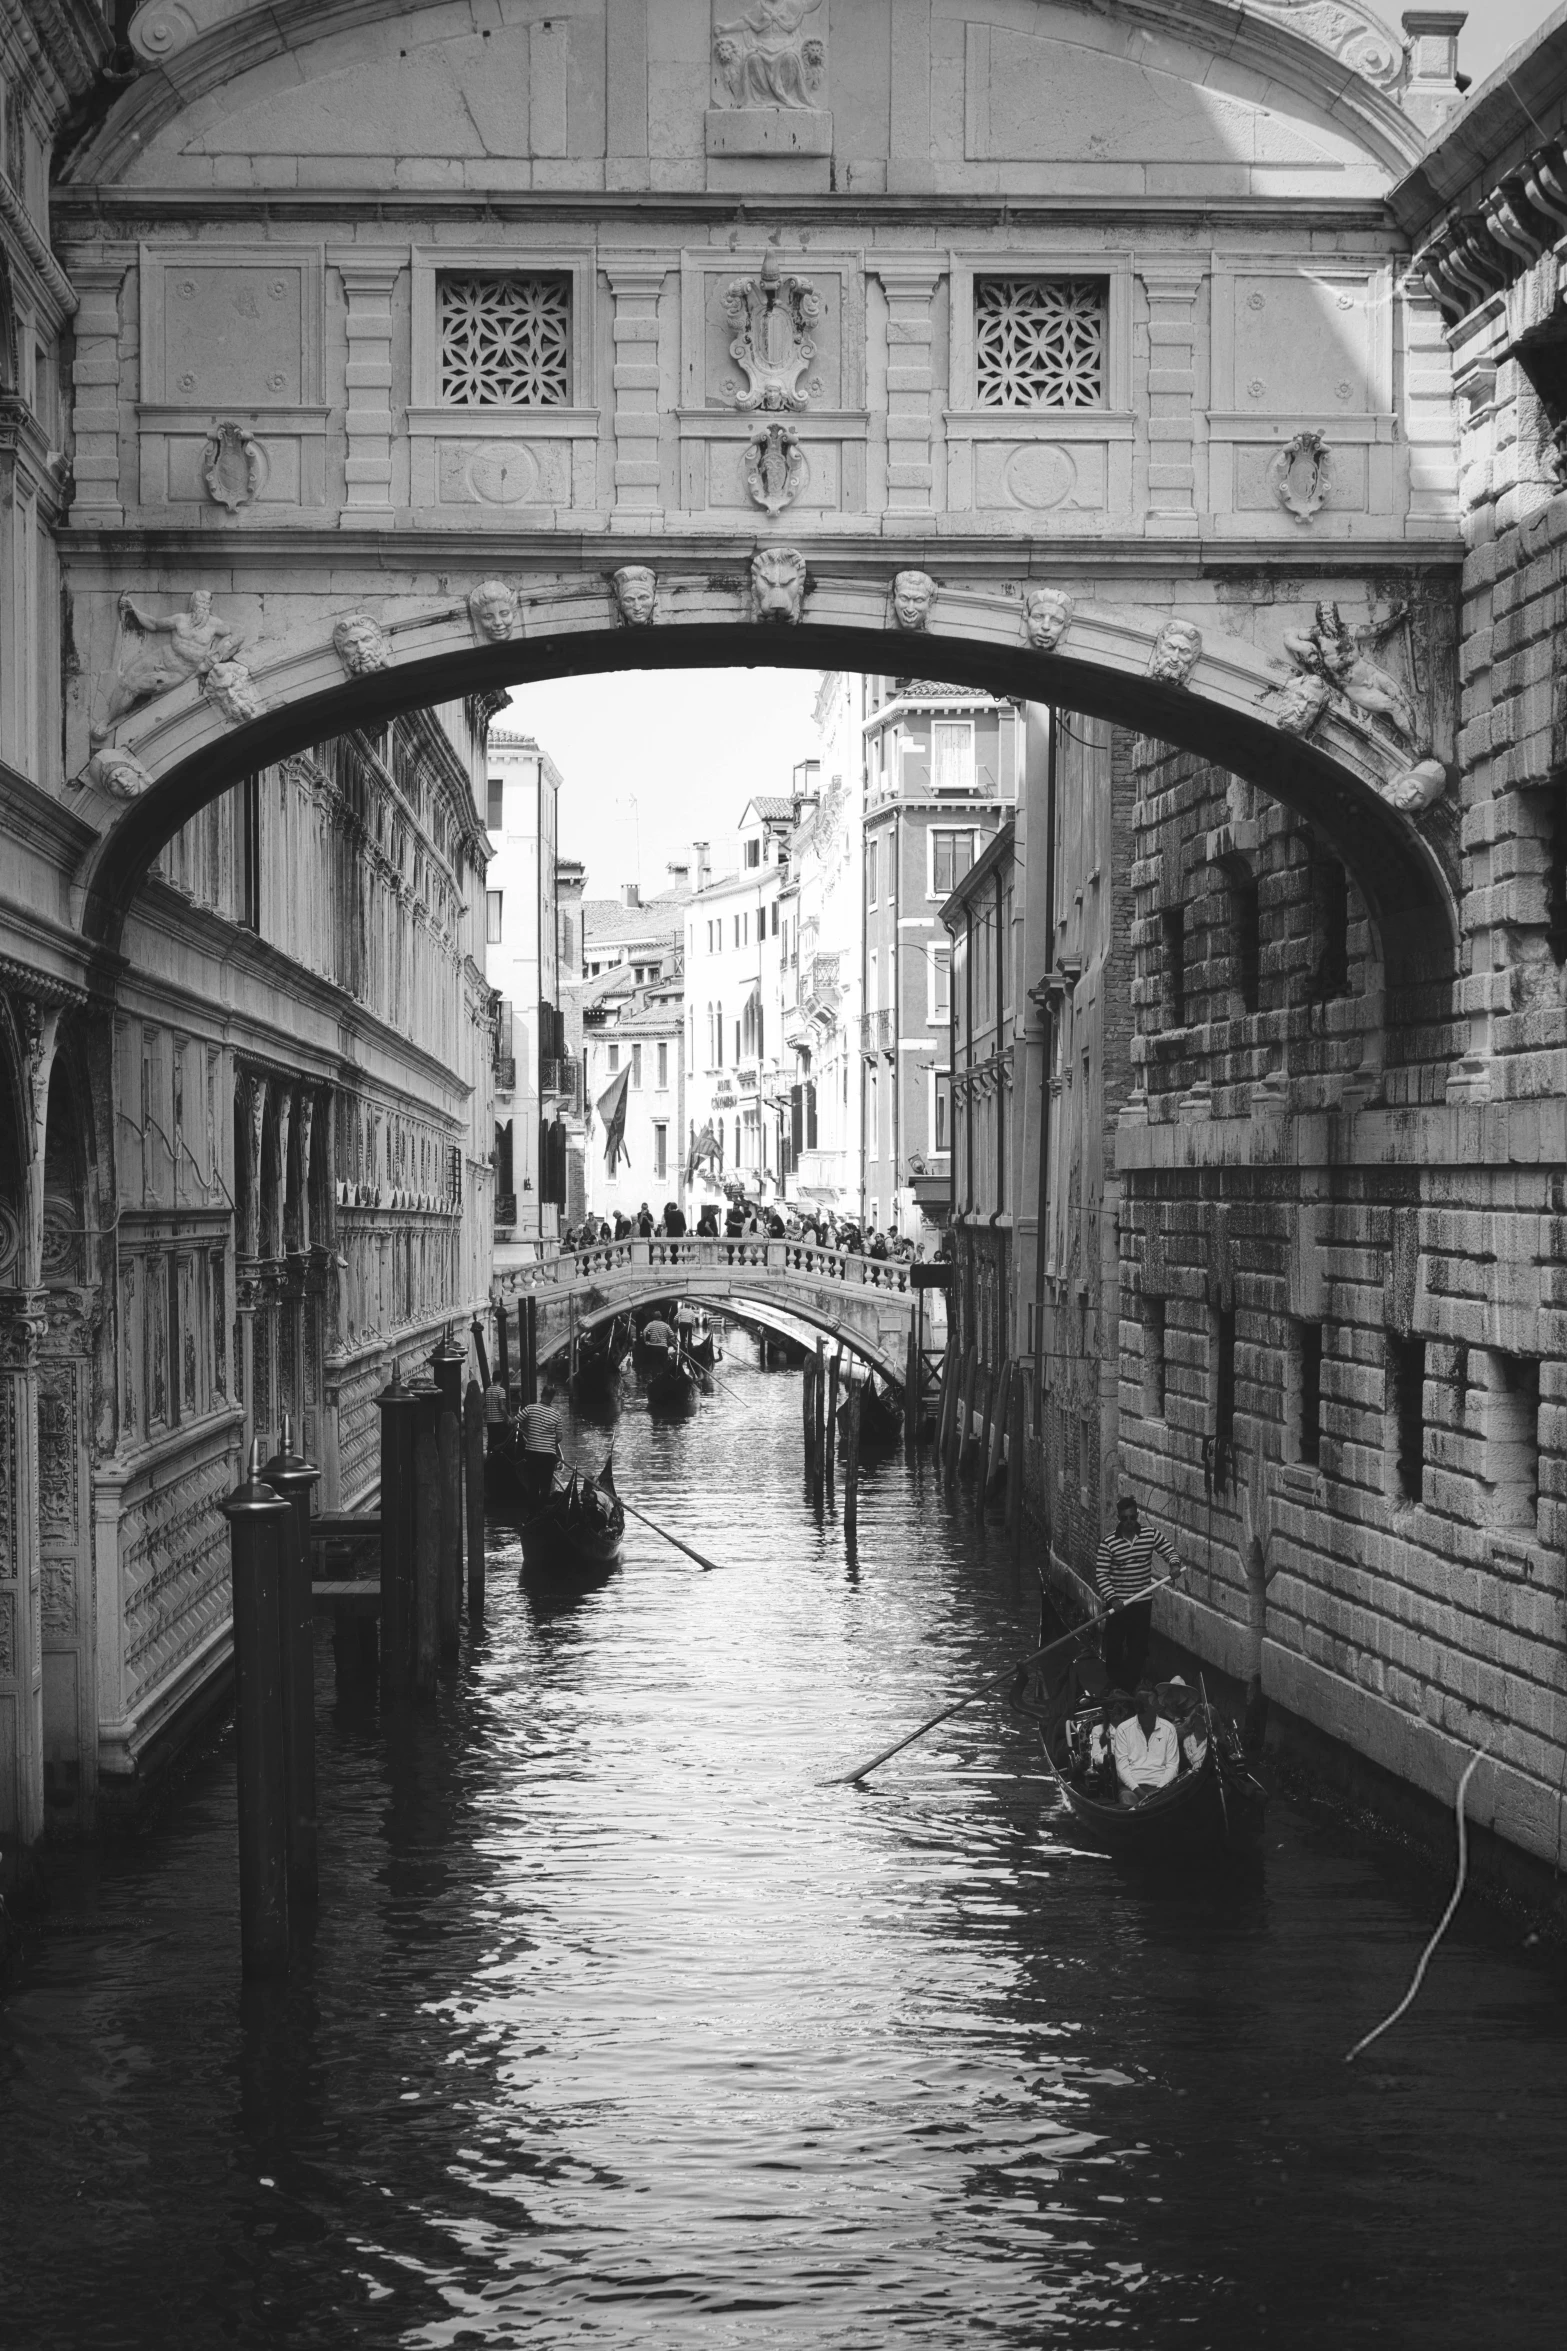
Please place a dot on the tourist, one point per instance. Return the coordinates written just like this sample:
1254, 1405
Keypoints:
674, 1220
1146, 1752
497, 1415
645, 1222
1125, 1566
707, 1223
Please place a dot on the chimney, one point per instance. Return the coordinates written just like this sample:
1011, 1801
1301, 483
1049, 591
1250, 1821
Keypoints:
1433, 90
633, 893
704, 870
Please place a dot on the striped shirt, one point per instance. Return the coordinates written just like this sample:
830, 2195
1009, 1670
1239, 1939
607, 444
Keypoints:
539, 1429
1125, 1566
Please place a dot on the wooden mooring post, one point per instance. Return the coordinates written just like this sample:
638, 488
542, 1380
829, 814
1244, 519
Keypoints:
834, 1370
502, 1348
819, 1403
528, 1348
398, 1407
259, 1520
427, 1536
289, 1474
808, 1406
473, 1476
851, 1464
446, 1369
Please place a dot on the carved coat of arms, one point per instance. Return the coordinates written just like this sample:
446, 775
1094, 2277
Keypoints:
774, 315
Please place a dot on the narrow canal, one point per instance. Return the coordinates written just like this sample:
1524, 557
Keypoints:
624, 2025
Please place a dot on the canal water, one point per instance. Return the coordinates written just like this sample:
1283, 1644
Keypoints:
625, 2024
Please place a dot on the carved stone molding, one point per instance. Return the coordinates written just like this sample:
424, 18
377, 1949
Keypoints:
24, 1325
773, 315
776, 468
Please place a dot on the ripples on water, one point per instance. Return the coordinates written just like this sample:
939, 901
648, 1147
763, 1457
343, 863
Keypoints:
622, 2024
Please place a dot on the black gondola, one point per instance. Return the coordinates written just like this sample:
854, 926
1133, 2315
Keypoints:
673, 1388
602, 1355
881, 1416
580, 1529
1213, 1811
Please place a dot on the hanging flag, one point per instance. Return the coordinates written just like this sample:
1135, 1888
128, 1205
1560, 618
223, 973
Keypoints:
704, 1146
611, 1107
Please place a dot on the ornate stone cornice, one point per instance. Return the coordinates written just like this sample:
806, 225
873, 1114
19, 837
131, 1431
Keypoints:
1475, 255
52, 280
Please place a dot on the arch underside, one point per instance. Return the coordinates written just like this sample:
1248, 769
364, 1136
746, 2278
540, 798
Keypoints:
1404, 870
777, 1315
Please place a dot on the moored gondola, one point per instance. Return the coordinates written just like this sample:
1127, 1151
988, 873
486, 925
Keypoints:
673, 1388
580, 1528
1214, 1809
602, 1355
881, 1416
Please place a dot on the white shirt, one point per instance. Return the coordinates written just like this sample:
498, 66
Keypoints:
1145, 1763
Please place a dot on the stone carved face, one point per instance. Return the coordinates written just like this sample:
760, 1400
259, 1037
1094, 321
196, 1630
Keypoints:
778, 584
1418, 788
360, 644
1301, 703
1177, 651
1047, 615
119, 773
635, 588
228, 687
492, 608
913, 594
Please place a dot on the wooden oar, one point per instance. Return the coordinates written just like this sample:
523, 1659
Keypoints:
852, 1779
709, 1565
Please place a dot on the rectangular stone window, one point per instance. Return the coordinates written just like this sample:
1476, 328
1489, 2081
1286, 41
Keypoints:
1245, 939
1040, 342
1223, 1394
1305, 1392
505, 341
492, 918
1153, 1358
495, 804
1406, 1372
1512, 1439
1172, 929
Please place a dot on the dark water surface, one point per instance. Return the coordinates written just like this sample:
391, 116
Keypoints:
621, 2025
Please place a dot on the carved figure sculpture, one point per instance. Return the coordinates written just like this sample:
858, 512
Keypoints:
778, 584
913, 594
492, 609
119, 773
228, 687
773, 315
635, 588
1047, 615
1301, 703
1418, 788
233, 466
764, 58
361, 644
1332, 651
196, 641
776, 468
1176, 653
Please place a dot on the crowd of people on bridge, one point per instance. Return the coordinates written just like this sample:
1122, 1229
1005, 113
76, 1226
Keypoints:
744, 1221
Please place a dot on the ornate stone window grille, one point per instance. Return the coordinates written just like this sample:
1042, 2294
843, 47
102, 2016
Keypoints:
1040, 342
505, 342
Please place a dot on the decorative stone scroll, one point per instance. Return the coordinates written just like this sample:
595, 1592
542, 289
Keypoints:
1176, 653
1047, 615
234, 467
764, 57
361, 644
1301, 476
492, 612
773, 315
635, 590
778, 585
913, 594
776, 469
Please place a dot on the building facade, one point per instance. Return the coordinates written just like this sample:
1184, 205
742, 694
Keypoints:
522, 931
740, 1071
625, 1019
822, 941
940, 777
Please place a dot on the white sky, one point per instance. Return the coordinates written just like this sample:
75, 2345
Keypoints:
653, 761
658, 759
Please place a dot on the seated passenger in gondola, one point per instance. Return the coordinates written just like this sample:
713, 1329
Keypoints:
538, 1445
1147, 1753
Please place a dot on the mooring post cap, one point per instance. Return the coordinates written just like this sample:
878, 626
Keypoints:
253, 1497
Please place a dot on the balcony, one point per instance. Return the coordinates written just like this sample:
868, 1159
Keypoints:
504, 1067
878, 1033
505, 1211
562, 1081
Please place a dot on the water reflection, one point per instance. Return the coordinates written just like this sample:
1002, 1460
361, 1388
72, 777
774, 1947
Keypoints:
624, 2022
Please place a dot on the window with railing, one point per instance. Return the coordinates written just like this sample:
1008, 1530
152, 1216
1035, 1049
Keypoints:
1040, 342
505, 341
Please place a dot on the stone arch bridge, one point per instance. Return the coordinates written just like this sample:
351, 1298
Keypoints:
867, 1303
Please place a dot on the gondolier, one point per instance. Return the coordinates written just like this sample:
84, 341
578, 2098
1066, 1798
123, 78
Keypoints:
1128, 1562
538, 1442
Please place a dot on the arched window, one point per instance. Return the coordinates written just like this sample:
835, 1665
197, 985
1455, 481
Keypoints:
718, 1040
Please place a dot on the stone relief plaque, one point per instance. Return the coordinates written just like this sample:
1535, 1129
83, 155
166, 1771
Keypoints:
231, 333
769, 78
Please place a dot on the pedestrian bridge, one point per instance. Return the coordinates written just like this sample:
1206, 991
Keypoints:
866, 1303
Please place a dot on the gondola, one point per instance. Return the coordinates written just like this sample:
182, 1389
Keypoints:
1213, 1812
881, 1416
602, 1355
673, 1389
580, 1528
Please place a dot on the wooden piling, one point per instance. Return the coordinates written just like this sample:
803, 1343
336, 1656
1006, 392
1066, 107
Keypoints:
998, 1424
912, 1400
946, 1406
290, 1475
502, 1347
851, 1465
258, 1548
528, 1347
991, 1381
473, 1473
965, 1410
427, 1536
834, 1370
808, 1405
819, 1399
1015, 1440
397, 1536
446, 1369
